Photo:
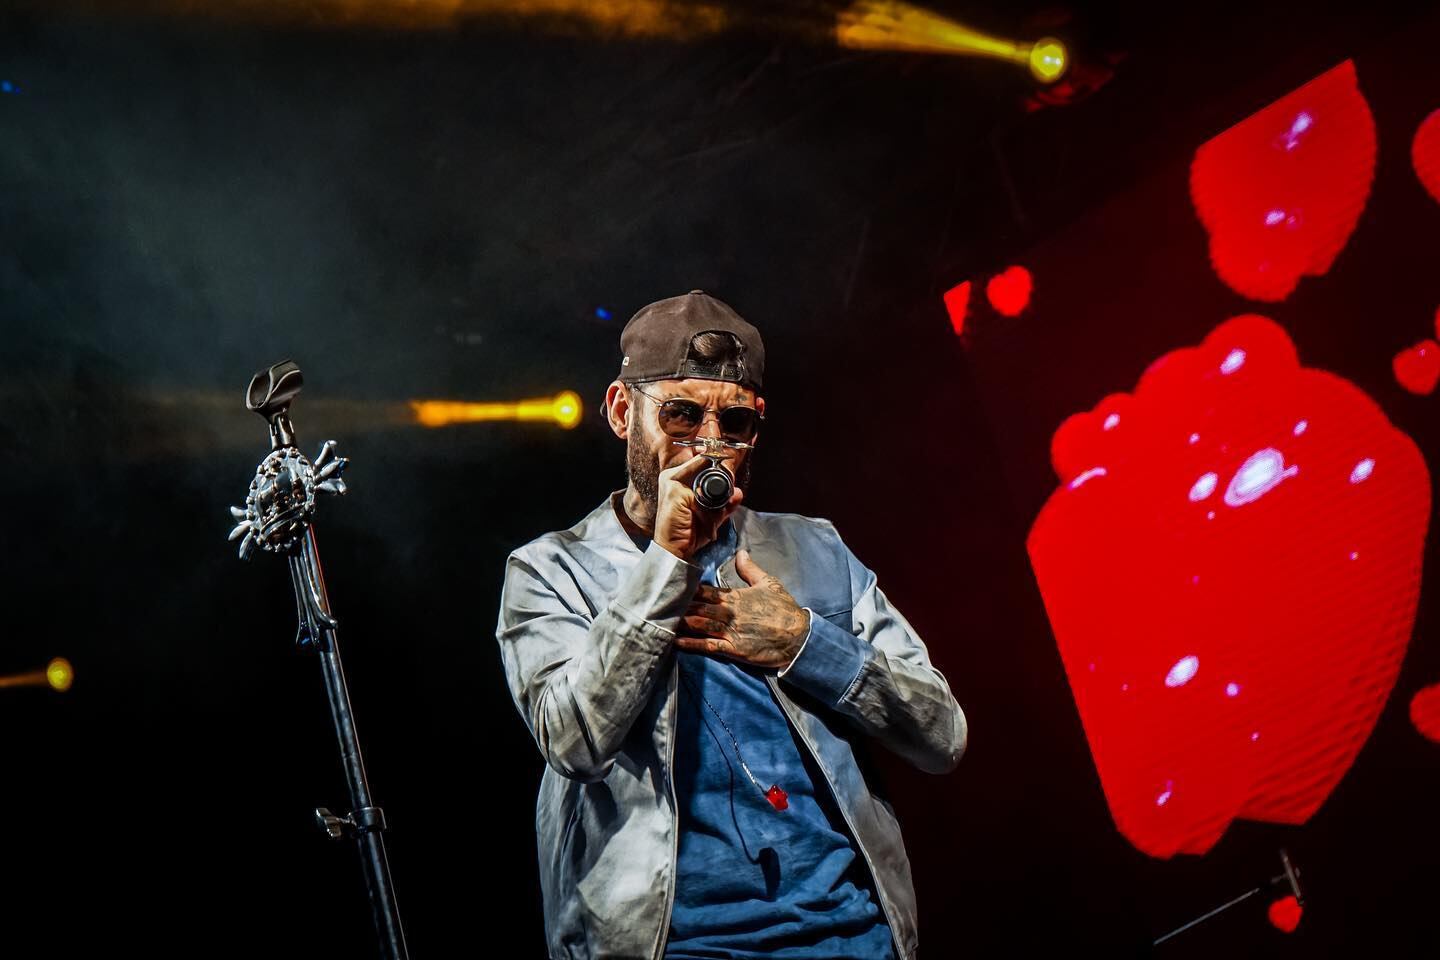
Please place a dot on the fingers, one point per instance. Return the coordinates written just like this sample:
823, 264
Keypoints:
685, 471
711, 611
708, 594
680, 526
749, 569
703, 626
705, 645
736, 498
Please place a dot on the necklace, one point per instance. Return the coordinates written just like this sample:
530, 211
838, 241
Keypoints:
778, 798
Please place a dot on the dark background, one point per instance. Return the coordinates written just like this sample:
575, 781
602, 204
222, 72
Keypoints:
438, 213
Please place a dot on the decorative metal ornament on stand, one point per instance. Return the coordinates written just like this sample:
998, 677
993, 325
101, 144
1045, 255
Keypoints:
277, 518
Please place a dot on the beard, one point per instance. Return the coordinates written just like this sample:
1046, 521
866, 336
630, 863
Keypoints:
642, 468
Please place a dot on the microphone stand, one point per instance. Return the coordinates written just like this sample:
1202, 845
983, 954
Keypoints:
1290, 876
277, 518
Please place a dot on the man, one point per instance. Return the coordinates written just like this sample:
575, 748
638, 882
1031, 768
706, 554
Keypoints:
698, 680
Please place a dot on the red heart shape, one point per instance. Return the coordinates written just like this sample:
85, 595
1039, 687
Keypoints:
1425, 712
1285, 914
1418, 369
1009, 291
1231, 570
1280, 192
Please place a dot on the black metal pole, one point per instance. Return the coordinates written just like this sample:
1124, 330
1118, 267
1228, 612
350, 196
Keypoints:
366, 821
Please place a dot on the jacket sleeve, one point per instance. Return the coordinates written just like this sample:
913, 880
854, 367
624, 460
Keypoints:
579, 682
879, 675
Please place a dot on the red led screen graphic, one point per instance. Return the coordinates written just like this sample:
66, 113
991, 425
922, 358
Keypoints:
1009, 291
1425, 712
957, 304
1425, 152
1280, 192
1418, 368
1285, 914
1231, 565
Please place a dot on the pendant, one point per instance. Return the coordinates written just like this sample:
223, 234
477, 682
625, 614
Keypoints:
778, 798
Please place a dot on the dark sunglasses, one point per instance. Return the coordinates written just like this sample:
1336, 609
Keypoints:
682, 418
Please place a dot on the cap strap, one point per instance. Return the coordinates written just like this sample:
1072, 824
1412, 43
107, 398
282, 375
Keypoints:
712, 371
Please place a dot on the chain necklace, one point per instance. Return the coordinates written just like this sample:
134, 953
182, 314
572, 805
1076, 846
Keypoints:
778, 798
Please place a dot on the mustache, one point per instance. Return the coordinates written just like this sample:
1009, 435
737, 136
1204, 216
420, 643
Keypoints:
642, 468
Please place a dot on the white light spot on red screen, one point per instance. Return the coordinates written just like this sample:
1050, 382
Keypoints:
1290, 139
1362, 471
1233, 361
1257, 476
1203, 487
1232, 689
1183, 671
1111, 422
1086, 475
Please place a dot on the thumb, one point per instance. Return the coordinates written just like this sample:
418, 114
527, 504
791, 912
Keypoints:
748, 568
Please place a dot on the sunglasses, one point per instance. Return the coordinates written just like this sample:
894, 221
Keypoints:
682, 418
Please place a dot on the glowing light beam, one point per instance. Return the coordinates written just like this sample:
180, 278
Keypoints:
563, 410
58, 675
866, 24
884, 25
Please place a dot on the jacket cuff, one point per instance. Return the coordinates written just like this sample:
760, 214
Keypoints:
659, 588
828, 662
809, 629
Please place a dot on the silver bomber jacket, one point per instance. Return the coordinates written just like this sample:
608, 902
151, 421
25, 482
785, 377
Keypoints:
585, 631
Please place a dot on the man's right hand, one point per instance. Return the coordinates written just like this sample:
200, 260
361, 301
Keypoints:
682, 526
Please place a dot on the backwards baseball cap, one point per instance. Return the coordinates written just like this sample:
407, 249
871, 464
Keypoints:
656, 342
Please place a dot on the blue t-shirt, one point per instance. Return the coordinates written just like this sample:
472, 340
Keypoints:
753, 881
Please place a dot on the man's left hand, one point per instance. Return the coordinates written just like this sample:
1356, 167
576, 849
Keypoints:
760, 624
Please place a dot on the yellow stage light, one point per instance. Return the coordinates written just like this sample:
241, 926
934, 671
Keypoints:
57, 675
563, 410
60, 674
885, 25
1048, 60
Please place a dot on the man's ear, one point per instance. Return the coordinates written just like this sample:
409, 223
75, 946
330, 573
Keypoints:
617, 409
760, 409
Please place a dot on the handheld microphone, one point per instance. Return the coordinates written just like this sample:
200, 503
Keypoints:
714, 485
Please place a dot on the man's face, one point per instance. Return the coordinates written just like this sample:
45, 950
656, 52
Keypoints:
649, 450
